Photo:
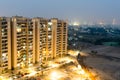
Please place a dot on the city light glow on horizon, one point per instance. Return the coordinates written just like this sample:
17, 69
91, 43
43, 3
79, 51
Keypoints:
75, 23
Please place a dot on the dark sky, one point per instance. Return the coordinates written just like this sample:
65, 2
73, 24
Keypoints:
75, 10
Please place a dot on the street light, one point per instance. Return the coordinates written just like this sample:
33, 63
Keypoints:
55, 75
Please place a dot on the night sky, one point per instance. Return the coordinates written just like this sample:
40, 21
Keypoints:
84, 11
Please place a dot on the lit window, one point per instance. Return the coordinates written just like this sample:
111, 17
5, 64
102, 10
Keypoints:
18, 51
49, 29
49, 36
24, 43
30, 32
3, 55
30, 47
24, 59
44, 51
49, 23
43, 25
23, 47
18, 65
18, 29
22, 24
30, 44
2, 33
3, 30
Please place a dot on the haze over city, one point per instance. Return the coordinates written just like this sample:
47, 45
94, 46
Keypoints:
59, 40
81, 11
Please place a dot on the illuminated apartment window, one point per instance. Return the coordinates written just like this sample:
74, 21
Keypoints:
3, 58
30, 32
30, 44
23, 47
24, 32
49, 29
43, 25
24, 59
2, 33
3, 55
18, 65
2, 30
24, 43
18, 51
50, 23
30, 47
19, 29
49, 36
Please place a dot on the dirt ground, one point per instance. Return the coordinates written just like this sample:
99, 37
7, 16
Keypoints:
105, 64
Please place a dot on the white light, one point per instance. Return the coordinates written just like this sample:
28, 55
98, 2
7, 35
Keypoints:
50, 23
43, 25
77, 52
18, 51
2, 33
79, 67
18, 29
3, 55
54, 76
18, 65
3, 30
49, 36
30, 47
23, 47
82, 72
49, 29
24, 59
76, 24
30, 32
1, 77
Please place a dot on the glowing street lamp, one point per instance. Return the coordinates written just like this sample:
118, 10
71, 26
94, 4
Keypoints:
55, 75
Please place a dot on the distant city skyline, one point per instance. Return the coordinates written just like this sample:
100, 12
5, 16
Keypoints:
82, 11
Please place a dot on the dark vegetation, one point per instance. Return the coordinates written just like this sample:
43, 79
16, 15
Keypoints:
94, 34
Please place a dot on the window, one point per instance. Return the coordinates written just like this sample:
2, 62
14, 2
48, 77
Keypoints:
19, 30
49, 36
50, 23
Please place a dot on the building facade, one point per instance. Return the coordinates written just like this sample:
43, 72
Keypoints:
5, 44
50, 38
25, 42
22, 42
43, 39
59, 30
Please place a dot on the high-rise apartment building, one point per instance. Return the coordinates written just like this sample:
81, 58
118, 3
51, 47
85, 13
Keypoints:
25, 41
50, 38
59, 30
43, 39
22, 42
5, 44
